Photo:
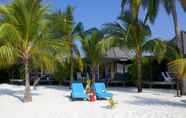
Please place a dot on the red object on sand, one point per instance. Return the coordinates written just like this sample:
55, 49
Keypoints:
92, 97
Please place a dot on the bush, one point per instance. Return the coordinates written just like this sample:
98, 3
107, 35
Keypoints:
146, 70
62, 72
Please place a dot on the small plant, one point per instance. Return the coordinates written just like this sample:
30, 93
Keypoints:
88, 84
112, 103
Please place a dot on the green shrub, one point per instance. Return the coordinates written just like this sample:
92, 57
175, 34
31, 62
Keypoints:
112, 103
146, 70
62, 72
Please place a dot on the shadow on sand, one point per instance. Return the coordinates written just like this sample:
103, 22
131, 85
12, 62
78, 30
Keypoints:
68, 97
107, 107
140, 101
184, 101
18, 94
123, 89
146, 90
58, 88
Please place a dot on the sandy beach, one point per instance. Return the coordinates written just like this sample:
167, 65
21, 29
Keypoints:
54, 102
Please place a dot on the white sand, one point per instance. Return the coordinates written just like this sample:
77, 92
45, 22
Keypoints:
54, 102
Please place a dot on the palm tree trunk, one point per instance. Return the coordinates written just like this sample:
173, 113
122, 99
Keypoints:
139, 70
36, 82
27, 94
179, 45
178, 92
176, 26
93, 75
71, 68
183, 91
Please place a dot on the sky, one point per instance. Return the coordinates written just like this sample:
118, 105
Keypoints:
95, 13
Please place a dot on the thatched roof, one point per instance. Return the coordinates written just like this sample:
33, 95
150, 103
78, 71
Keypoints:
117, 54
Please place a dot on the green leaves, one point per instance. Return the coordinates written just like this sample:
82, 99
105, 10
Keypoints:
178, 67
62, 24
78, 29
157, 47
183, 4
128, 31
8, 55
3, 10
10, 33
24, 35
91, 46
106, 43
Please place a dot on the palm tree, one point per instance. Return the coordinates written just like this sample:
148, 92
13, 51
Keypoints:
24, 37
132, 33
152, 7
63, 27
178, 68
170, 7
91, 44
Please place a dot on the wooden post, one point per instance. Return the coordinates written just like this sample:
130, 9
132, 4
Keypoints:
182, 38
112, 71
98, 72
184, 86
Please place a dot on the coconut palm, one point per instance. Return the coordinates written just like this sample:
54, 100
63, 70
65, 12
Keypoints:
91, 44
133, 33
170, 7
152, 7
181, 71
63, 27
24, 37
178, 68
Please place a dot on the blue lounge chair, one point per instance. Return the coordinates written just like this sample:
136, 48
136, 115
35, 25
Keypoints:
101, 92
78, 92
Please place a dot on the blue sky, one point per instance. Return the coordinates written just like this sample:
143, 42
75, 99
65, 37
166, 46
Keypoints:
95, 13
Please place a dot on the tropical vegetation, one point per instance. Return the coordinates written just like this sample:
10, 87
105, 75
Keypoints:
134, 34
37, 38
63, 27
93, 48
25, 37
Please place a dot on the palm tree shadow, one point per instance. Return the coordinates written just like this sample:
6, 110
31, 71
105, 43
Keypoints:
68, 97
184, 101
123, 90
14, 93
107, 107
157, 102
58, 88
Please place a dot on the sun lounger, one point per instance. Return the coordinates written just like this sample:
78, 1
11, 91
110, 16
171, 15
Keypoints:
166, 76
78, 92
101, 92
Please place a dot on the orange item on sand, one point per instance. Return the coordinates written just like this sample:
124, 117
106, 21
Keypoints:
92, 97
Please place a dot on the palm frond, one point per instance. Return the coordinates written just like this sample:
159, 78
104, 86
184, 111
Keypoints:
9, 33
3, 10
178, 67
78, 29
183, 4
91, 47
167, 5
157, 47
44, 61
123, 4
8, 55
152, 7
